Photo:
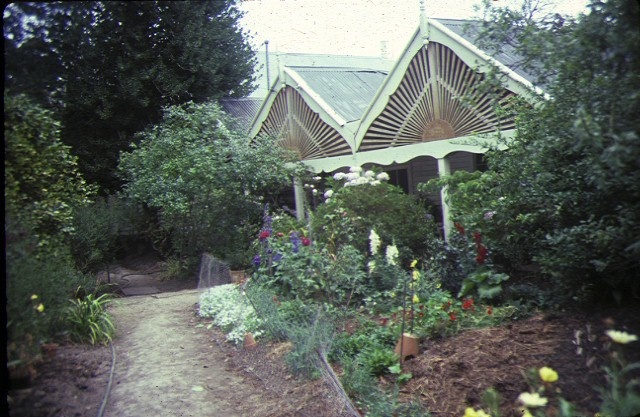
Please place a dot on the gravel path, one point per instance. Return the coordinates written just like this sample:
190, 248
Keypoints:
167, 364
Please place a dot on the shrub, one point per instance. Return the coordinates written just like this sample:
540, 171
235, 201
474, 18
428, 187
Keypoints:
353, 210
566, 194
230, 310
204, 181
39, 281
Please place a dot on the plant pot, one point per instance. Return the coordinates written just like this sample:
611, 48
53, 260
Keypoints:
249, 341
407, 346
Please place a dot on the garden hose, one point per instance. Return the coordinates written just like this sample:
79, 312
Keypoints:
108, 391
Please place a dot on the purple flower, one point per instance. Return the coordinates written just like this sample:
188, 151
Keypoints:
277, 257
257, 260
489, 215
295, 241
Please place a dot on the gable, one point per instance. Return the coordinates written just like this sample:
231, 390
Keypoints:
439, 97
298, 128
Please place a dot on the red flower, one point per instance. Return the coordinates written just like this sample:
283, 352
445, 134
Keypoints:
482, 254
452, 317
467, 304
459, 228
383, 321
264, 234
489, 310
477, 237
305, 241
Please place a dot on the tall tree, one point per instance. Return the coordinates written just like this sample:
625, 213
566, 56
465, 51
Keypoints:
117, 64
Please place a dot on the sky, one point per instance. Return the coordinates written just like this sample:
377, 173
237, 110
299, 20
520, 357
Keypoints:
356, 27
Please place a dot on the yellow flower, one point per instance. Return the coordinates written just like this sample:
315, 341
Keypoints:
34, 297
415, 299
529, 399
470, 412
40, 307
547, 374
414, 263
621, 337
416, 275
526, 413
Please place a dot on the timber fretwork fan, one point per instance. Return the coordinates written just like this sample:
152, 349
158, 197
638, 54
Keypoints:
300, 129
439, 97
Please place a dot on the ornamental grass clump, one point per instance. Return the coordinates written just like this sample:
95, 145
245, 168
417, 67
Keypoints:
89, 319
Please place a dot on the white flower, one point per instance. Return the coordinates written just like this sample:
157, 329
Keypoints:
374, 242
529, 399
314, 191
372, 266
376, 182
621, 337
317, 178
361, 181
339, 176
369, 174
328, 200
328, 194
355, 169
392, 254
383, 176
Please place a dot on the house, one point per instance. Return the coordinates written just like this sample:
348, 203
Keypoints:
420, 117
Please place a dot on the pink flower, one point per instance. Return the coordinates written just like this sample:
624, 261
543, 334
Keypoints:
264, 234
305, 241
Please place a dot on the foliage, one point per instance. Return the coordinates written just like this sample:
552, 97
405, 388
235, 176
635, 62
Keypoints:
359, 202
204, 179
378, 360
621, 396
39, 280
230, 310
150, 55
297, 267
89, 319
566, 194
42, 183
107, 228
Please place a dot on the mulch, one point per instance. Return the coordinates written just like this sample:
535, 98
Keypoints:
454, 373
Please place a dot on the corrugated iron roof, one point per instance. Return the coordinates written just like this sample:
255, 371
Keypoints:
348, 91
242, 109
470, 31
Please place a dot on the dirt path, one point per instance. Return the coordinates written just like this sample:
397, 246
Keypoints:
166, 366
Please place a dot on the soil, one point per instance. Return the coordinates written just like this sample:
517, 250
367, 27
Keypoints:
168, 363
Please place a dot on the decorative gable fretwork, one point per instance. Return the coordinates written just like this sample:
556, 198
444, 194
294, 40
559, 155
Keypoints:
298, 128
439, 97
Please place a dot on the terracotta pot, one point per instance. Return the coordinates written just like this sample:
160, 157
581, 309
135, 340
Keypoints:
407, 346
249, 341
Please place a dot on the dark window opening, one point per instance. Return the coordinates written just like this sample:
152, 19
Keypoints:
400, 178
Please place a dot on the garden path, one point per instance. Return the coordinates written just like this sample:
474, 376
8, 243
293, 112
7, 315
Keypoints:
168, 365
